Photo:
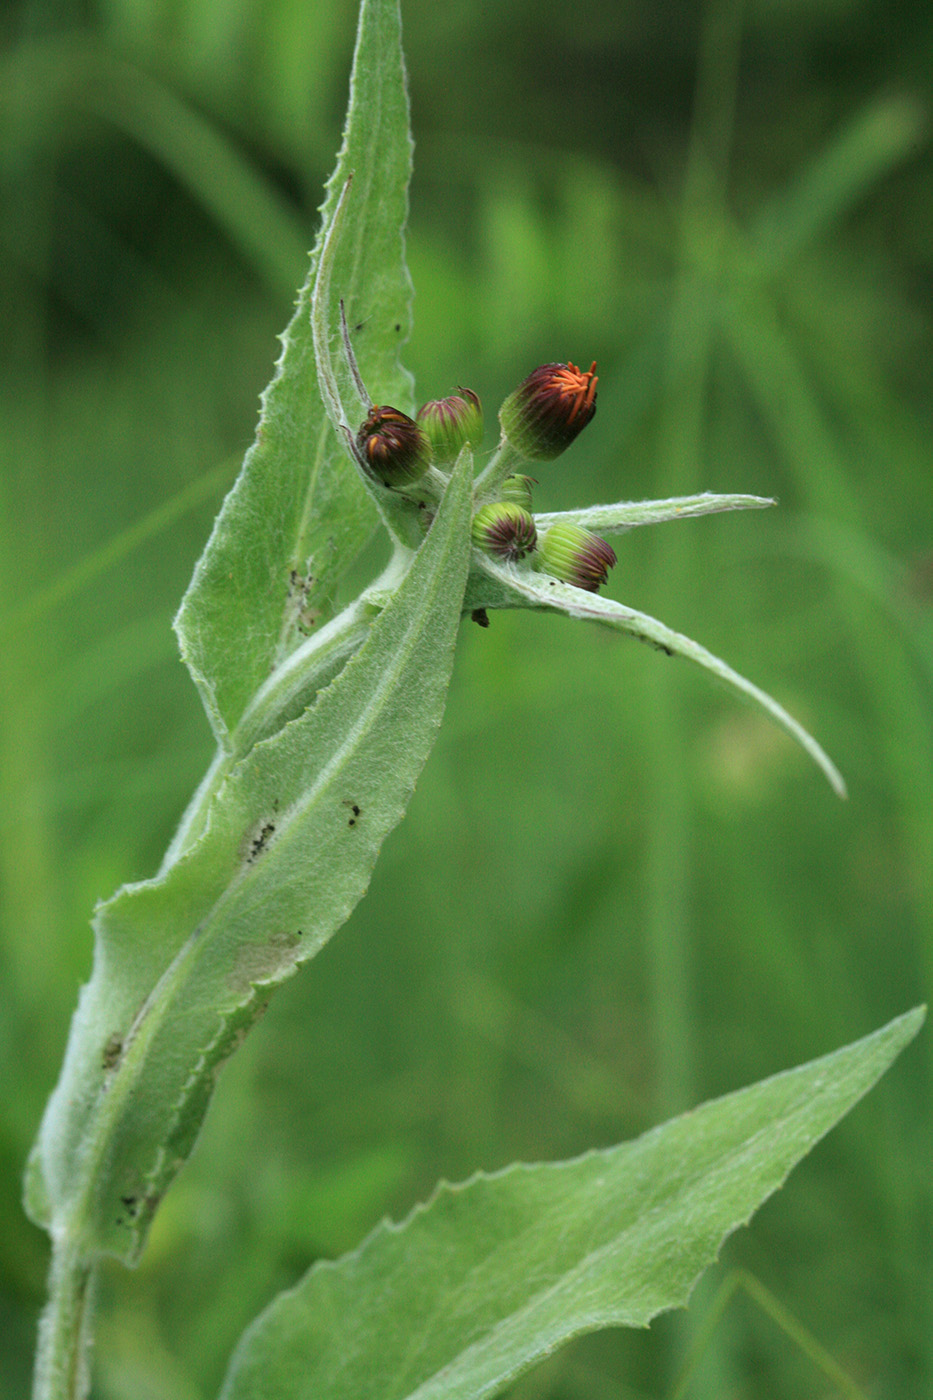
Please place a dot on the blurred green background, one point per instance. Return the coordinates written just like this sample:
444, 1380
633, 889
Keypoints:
617, 891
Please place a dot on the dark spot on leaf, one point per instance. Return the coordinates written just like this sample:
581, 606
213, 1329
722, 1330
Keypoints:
299, 586
260, 841
258, 965
132, 1205
658, 646
480, 616
356, 811
398, 326
308, 619
112, 1051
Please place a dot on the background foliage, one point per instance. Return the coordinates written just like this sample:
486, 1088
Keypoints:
616, 893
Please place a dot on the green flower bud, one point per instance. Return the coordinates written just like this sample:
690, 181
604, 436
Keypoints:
577, 556
548, 409
505, 530
449, 424
392, 446
518, 489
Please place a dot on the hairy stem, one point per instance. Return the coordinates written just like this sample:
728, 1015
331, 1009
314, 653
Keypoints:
503, 462
62, 1358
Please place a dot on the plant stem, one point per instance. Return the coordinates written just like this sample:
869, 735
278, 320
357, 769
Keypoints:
292, 685
62, 1370
501, 464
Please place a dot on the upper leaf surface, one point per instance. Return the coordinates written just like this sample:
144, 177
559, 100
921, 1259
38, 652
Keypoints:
491, 1276
298, 514
185, 963
624, 515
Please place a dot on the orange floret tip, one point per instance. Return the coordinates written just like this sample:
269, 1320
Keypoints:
549, 409
392, 447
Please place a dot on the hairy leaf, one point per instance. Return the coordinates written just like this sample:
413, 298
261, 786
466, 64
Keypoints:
298, 514
624, 515
491, 1276
184, 963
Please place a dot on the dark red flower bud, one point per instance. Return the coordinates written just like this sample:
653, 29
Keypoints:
548, 409
393, 447
449, 424
505, 530
577, 556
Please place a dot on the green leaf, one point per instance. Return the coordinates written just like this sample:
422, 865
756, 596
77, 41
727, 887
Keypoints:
186, 962
624, 515
494, 585
491, 1276
298, 514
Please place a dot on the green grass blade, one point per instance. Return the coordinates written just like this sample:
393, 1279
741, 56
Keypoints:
118, 547
42, 87
491, 1276
864, 152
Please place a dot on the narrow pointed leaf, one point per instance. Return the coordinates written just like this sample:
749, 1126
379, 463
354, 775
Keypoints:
494, 585
185, 963
491, 1276
616, 519
298, 514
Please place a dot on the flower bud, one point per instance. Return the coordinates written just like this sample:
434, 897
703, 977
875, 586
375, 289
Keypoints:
449, 424
518, 489
393, 447
548, 409
577, 556
505, 530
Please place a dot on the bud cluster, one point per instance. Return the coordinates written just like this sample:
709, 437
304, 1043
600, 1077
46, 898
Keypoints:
397, 450
539, 420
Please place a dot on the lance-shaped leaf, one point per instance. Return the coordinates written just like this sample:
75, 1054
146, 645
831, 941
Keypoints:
495, 585
298, 514
624, 515
491, 1276
185, 963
